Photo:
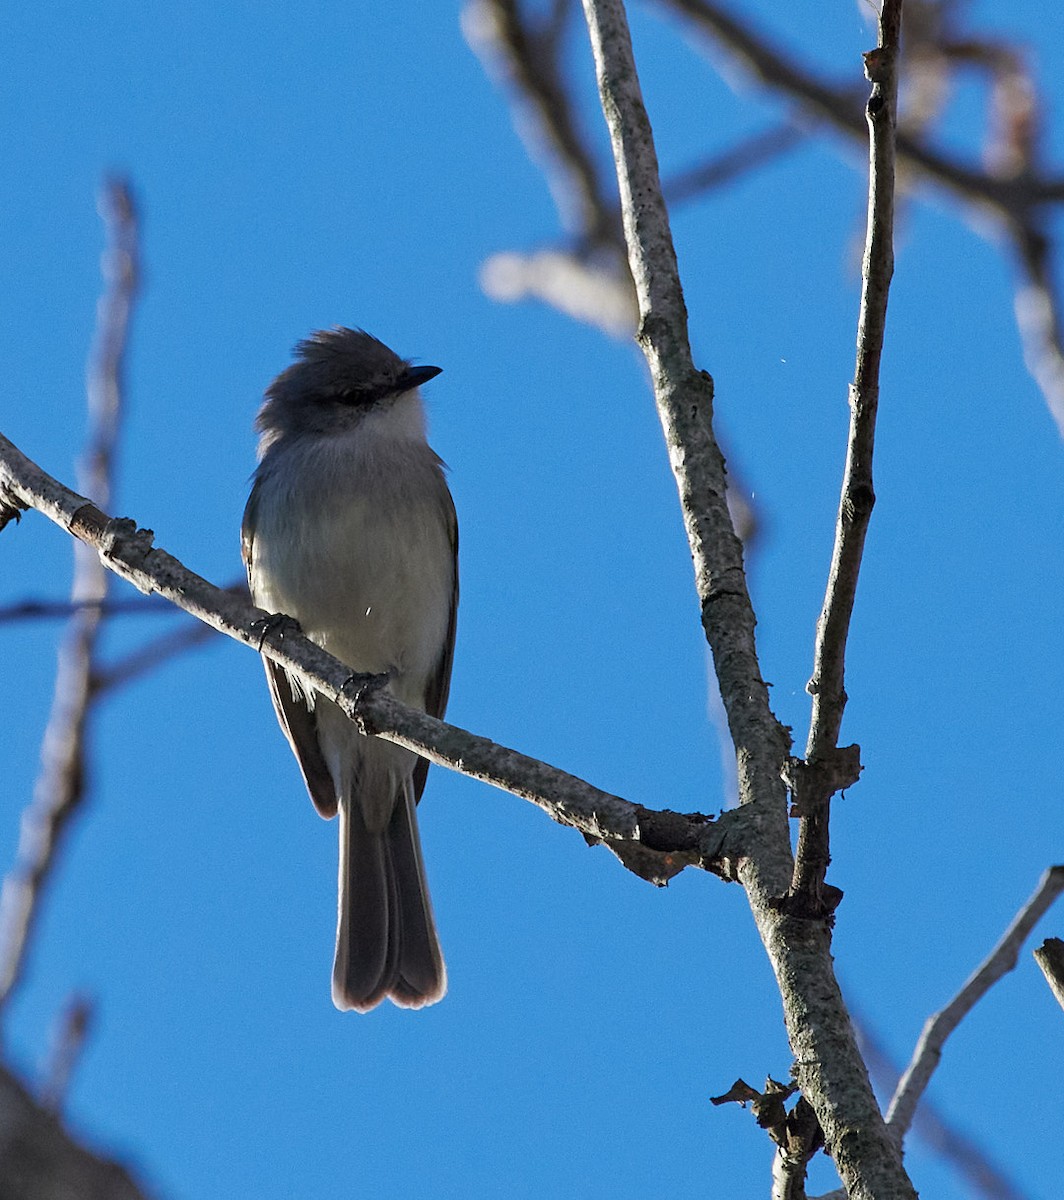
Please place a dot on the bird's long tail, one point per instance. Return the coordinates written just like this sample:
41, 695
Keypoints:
386, 942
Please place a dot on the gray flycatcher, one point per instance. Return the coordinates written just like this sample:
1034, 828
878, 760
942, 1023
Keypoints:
351, 530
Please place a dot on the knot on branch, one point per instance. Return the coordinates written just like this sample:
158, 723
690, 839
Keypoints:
813, 781
116, 538
880, 64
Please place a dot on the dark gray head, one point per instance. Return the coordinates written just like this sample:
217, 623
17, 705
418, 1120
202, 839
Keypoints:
338, 375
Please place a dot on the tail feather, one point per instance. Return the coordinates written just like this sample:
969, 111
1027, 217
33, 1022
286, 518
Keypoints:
386, 942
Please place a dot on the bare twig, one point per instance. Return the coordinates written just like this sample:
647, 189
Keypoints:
960, 1151
685, 401
672, 840
68, 1045
1001, 960
721, 169
826, 770
1050, 958
524, 51
828, 1066
60, 784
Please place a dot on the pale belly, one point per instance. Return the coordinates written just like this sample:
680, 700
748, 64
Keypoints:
370, 583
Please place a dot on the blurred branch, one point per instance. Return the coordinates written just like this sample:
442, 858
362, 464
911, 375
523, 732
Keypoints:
828, 1066
1001, 960
137, 662
721, 169
60, 785
49, 610
840, 107
826, 768
1050, 958
523, 52
40, 1161
146, 658
1012, 188
654, 844
69, 1043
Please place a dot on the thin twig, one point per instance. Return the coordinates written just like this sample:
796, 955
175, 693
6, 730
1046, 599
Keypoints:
818, 778
960, 1151
840, 108
1000, 961
60, 785
674, 840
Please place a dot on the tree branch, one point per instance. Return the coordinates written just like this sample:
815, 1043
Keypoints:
828, 1067
1016, 198
1000, 961
525, 53
827, 769
956, 1148
60, 785
668, 841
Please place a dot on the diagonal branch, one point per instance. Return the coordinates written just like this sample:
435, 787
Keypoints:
840, 108
60, 785
671, 840
1017, 199
525, 51
1000, 961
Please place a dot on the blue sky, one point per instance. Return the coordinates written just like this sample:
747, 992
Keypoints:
300, 166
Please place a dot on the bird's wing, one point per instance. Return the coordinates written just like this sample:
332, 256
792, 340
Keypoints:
295, 718
301, 728
440, 683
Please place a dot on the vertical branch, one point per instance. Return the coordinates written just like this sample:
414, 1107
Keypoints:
60, 783
825, 770
685, 406
828, 1065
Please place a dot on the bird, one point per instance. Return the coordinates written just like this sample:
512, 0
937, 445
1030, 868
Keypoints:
350, 530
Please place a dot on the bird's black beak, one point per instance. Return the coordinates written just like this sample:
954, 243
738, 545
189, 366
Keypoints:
414, 377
